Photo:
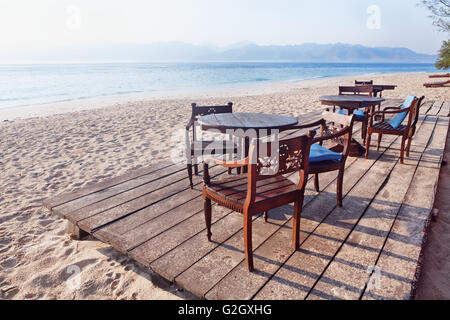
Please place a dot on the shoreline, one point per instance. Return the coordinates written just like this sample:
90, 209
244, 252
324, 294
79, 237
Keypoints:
25, 112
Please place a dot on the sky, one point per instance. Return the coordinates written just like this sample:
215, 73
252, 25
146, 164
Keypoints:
27, 25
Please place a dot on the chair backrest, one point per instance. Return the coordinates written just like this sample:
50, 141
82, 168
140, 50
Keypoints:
292, 155
363, 83
199, 111
411, 104
339, 125
366, 90
416, 112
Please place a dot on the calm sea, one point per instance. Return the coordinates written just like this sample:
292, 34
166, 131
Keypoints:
25, 85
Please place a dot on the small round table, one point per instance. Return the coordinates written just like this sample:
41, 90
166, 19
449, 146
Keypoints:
224, 122
246, 121
352, 103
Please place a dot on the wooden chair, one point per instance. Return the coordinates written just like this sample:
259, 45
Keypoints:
263, 188
196, 147
410, 107
336, 129
360, 115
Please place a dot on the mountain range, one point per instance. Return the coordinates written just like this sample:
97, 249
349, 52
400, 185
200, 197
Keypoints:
245, 51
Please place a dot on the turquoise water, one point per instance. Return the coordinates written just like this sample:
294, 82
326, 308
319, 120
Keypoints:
24, 85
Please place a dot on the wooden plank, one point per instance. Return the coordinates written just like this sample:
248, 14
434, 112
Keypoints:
401, 257
426, 106
184, 255
113, 197
349, 272
138, 235
192, 231
434, 111
445, 110
313, 214
305, 266
145, 181
86, 190
122, 205
211, 270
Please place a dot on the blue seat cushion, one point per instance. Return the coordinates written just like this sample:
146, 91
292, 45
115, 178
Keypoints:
359, 114
398, 119
319, 153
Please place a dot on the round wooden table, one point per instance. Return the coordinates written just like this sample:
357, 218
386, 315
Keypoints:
246, 121
352, 103
224, 122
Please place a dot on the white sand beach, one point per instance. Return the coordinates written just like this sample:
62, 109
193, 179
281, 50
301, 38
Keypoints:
50, 149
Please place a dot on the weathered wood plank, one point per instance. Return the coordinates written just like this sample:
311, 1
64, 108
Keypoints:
434, 111
305, 266
120, 195
125, 204
400, 259
445, 110
86, 190
351, 267
92, 199
225, 224
426, 106
211, 270
185, 258
312, 215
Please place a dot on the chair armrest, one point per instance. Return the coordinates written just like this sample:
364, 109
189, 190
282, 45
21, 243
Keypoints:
332, 136
190, 124
392, 108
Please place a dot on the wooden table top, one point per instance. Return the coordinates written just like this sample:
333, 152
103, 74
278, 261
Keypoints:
351, 100
246, 121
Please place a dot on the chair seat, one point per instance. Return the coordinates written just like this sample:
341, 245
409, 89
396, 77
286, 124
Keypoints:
231, 192
359, 114
319, 153
386, 126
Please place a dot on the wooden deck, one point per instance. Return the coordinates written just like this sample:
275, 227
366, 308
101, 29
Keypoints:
370, 249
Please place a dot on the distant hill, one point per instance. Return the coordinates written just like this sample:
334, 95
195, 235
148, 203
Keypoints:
245, 51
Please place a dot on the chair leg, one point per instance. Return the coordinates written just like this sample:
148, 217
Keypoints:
189, 169
364, 131
266, 216
380, 136
230, 171
196, 169
316, 182
340, 181
248, 240
296, 223
239, 170
402, 151
208, 214
408, 148
369, 137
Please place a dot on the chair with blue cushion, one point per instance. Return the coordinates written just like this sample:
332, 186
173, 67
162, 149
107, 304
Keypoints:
336, 130
360, 115
409, 109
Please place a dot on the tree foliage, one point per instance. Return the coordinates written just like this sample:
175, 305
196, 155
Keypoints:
444, 56
440, 13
